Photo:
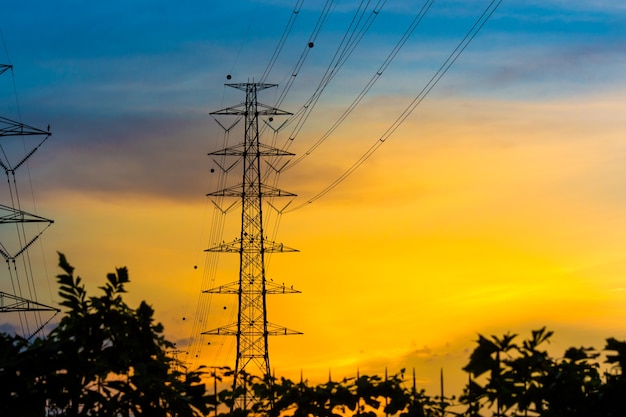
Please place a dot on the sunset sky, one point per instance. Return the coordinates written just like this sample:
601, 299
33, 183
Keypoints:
498, 205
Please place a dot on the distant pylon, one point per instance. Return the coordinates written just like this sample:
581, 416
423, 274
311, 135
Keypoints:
252, 328
15, 238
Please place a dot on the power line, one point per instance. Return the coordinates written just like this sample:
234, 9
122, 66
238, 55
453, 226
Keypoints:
305, 52
352, 37
243, 40
470, 35
283, 39
418, 18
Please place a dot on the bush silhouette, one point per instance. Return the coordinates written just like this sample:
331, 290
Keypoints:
104, 358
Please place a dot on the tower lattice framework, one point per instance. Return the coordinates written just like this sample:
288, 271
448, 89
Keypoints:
15, 237
252, 328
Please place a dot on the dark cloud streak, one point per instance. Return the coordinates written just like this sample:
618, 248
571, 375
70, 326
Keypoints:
133, 157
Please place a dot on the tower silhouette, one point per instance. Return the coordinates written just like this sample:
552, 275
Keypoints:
19, 229
252, 327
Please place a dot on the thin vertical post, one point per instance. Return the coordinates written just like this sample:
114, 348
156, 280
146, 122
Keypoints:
442, 399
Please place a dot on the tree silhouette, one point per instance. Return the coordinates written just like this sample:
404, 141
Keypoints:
523, 380
490, 357
104, 358
614, 390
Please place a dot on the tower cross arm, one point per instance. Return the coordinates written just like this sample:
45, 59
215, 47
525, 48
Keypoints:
261, 110
16, 303
265, 191
276, 330
12, 215
272, 330
270, 191
247, 86
249, 246
10, 127
274, 247
273, 288
5, 67
231, 288
228, 330
234, 191
240, 150
227, 247
238, 110
265, 110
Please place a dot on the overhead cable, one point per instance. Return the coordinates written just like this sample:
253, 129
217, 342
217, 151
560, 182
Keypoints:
283, 39
305, 51
471, 34
353, 36
418, 18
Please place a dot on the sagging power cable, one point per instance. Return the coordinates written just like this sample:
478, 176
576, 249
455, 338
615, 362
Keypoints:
418, 18
462, 45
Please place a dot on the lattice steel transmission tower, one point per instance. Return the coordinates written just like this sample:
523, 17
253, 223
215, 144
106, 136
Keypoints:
252, 328
16, 233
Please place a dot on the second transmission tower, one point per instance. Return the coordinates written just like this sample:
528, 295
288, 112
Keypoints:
16, 237
252, 327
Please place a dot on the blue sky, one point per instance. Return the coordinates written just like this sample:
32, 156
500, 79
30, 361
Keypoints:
504, 184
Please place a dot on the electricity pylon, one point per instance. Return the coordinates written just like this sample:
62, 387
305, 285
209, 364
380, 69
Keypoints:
252, 328
14, 244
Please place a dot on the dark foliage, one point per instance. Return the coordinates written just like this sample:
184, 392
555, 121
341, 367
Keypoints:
104, 358
363, 396
508, 379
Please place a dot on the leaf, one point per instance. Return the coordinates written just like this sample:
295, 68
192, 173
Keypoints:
580, 354
64, 265
481, 359
619, 347
538, 337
